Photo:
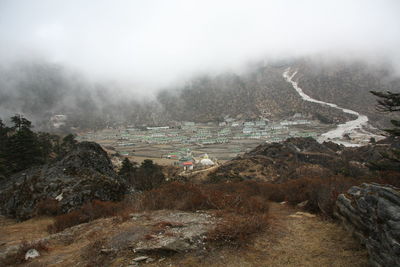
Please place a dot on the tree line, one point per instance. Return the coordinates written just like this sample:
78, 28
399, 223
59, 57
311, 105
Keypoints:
22, 148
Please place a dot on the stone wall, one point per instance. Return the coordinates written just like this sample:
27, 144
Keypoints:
372, 213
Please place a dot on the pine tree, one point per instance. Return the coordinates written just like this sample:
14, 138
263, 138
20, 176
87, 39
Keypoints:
148, 176
390, 102
68, 143
22, 148
4, 171
127, 169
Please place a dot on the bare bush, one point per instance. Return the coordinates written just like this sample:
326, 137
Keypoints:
48, 206
88, 212
237, 230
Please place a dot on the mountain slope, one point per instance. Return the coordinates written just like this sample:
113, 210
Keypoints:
40, 90
348, 84
260, 93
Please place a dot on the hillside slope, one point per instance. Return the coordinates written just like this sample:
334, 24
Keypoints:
301, 157
260, 93
293, 239
348, 84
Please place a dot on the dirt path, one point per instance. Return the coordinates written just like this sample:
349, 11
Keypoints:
294, 239
200, 175
307, 240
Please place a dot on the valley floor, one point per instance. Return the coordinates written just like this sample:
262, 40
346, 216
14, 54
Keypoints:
293, 238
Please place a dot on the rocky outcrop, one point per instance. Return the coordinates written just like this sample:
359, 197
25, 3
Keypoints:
300, 157
372, 213
153, 233
84, 174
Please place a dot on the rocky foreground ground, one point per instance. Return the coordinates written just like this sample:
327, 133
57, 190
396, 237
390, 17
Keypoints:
174, 238
225, 223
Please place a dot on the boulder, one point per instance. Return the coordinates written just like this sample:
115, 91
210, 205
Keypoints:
176, 231
31, 254
84, 174
372, 213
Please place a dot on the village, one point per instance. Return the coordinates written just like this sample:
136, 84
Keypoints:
197, 145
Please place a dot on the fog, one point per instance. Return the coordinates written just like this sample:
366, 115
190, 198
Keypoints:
149, 44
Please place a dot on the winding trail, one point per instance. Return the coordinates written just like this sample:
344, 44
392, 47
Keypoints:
344, 128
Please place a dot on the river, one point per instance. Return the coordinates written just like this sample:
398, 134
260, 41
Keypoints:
335, 135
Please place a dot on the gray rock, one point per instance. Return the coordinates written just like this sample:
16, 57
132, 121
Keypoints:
150, 260
84, 174
141, 258
302, 204
107, 251
186, 232
372, 213
31, 254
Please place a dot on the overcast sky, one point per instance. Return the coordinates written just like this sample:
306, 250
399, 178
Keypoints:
154, 42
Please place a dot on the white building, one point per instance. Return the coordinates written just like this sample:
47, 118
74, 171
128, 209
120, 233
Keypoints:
207, 162
58, 120
247, 130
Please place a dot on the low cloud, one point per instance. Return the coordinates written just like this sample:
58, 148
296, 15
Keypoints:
148, 44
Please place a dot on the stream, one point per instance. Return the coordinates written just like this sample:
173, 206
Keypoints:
349, 127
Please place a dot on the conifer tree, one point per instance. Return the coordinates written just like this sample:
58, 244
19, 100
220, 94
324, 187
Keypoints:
4, 171
22, 148
127, 169
390, 102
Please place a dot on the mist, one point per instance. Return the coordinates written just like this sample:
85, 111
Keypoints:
149, 44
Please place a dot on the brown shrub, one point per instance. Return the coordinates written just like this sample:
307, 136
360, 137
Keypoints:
175, 195
237, 230
320, 193
253, 205
19, 256
389, 177
244, 198
88, 212
251, 197
48, 206
67, 220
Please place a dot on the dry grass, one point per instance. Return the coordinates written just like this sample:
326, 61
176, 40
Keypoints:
19, 256
12, 233
93, 256
286, 241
